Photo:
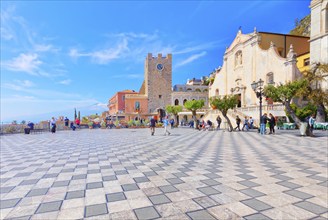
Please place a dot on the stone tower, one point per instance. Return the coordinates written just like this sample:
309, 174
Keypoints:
158, 81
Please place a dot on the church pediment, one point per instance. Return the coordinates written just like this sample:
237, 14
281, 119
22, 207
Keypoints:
239, 39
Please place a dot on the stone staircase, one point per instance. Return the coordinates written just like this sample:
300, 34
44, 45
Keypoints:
276, 110
232, 114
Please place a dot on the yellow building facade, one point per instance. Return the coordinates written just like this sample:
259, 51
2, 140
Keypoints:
303, 62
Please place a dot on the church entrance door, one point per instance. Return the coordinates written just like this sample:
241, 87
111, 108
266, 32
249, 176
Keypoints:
238, 96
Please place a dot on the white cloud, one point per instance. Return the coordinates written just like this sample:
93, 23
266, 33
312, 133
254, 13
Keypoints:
136, 45
7, 32
100, 105
44, 47
28, 63
65, 82
25, 83
23, 97
20, 85
191, 59
103, 56
12, 87
26, 45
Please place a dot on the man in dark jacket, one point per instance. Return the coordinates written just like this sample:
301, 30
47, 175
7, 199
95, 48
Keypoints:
263, 120
272, 123
152, 125
238, 123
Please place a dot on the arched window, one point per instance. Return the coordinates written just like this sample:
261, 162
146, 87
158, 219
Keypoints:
180, 89
238, 58
197, 90
217, 92
176, 102
269, 78
205, 90
189, 89
184, 101
137, 106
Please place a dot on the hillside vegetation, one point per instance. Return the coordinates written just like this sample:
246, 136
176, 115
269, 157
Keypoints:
302, 27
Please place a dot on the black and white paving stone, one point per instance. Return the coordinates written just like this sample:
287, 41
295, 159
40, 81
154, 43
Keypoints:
129, 174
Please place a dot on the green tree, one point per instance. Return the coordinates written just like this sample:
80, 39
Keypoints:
79, 116
285, 93
75, 116
193, 106
85, 120
302, 27
14, 122
223, 105
23, 122
174, 109
313, 90
302, 112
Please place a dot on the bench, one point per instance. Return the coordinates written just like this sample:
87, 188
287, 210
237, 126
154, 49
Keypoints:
288, 126
38, 131
321, 125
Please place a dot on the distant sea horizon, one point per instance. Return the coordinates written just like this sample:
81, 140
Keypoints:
36, 118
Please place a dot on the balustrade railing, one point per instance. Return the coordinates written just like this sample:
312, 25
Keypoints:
274, 107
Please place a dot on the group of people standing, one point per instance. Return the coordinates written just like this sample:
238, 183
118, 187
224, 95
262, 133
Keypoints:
166, 122
71, 125
264, 120
248, 123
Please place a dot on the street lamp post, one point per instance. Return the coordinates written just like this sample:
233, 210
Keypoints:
258, 89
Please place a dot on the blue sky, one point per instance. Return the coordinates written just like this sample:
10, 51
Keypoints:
61, 55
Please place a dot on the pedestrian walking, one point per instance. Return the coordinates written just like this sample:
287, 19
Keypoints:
245, 124
166, 123
66, 120
172, 123
251, 122
152, 125
238, 123
218, 120
53, 125
272, 123
77, 122
311, 124
72, 126
263, 120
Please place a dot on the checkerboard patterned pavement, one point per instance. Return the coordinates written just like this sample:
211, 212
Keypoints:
129, 174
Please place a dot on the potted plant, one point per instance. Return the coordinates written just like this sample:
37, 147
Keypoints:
90, 124
103, 125
137, 123
130, 124
117, 123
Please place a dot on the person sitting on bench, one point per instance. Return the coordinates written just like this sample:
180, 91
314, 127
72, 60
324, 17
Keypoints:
73, 126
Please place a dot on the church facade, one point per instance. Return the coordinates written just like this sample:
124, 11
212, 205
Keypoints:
319, 34
270, 57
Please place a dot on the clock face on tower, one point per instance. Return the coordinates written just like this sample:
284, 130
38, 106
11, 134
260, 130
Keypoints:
160, 66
